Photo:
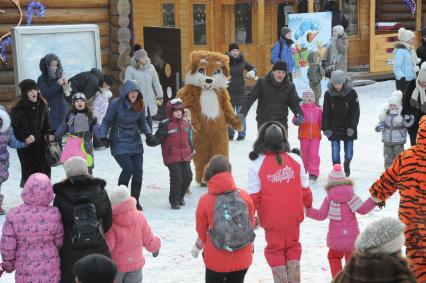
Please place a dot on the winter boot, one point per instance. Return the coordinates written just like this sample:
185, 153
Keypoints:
346, 166
135, 192
1, 204
279, 273
293, 271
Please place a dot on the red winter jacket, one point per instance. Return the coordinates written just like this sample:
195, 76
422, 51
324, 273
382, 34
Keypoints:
279, 191
173, 134
216, 259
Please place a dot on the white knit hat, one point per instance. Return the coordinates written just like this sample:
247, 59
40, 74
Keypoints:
339, 29
119, 194
385, 235
396, 98
336, 175
76, 166
308, 91
405, 35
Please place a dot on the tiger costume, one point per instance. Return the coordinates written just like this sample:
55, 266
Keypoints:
408, 175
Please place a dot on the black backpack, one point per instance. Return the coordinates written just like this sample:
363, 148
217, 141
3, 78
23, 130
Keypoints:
232, 229
279, 54
87, 229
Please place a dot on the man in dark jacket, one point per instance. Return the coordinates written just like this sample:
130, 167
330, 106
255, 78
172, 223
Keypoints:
91, 82
76, 189
340, 116
237, 65
50, 83
275, 93
338, 18
421, 50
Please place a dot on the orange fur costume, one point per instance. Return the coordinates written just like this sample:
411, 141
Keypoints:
205, 95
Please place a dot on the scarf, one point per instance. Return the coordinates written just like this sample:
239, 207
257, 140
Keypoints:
335, 212
418, 98
413, 55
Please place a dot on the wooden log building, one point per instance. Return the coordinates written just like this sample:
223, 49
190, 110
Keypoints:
186, 25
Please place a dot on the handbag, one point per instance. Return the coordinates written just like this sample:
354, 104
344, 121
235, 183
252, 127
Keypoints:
53, 153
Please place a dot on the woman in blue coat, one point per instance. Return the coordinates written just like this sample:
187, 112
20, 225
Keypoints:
125, 120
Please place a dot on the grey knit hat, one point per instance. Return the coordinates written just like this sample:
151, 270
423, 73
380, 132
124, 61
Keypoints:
338, 77
141, 53
385, 235
285, 30
75, 166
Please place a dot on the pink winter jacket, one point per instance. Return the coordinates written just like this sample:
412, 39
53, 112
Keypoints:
129, 233
341, 233
32, 235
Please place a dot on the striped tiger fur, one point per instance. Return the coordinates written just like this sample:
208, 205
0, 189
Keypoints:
408, 175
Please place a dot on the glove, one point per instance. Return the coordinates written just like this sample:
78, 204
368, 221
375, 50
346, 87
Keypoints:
350, 132
155, 254
195, 251
328, 133
298, 120
251, 75
402, 79
159, 101
379, 128
150, 140
106, 142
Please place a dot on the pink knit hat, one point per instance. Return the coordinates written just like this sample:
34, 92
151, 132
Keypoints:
336, 175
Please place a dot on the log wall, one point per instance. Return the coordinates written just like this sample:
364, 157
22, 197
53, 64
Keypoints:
58, 12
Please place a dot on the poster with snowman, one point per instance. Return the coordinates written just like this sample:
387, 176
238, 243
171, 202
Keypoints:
311, 35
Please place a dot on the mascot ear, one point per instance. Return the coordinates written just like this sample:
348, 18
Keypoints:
192, 65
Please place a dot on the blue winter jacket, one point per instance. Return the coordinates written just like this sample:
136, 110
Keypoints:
124, 125
286, 54
52, 91
402, 63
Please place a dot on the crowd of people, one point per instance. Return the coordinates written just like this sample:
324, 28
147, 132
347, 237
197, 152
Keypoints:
87, 235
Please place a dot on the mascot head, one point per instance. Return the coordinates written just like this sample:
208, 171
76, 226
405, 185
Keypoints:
208, 70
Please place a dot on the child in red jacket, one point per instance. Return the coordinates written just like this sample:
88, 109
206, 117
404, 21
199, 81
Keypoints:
310, 134
279, 187
128, 235
174, 136
223, 262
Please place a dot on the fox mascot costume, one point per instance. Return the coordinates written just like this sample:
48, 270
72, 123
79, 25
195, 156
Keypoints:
205, 95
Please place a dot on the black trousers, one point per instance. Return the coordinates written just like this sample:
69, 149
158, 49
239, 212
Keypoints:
180, 179
401, 85
225, 277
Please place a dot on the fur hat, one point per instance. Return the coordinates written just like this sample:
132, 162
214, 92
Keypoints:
26, 85
280, 65
405, 35
396, 98
75, 166
336, 175
274, 141
141, 53
339, 29
5, 120
217, 164
338, 77
385, 235
119, 194
233, 46
95, 268
285, 30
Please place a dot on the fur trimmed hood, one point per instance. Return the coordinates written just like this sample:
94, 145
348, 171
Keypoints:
345, 182
5, 120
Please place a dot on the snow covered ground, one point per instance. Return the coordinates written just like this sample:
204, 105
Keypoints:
177, 228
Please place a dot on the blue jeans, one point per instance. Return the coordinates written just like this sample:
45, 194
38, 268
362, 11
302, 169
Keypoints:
335, 150
231, 131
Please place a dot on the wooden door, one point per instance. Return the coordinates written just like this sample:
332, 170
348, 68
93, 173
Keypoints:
164, 49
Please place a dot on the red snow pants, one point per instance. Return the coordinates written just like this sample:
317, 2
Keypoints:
282, 245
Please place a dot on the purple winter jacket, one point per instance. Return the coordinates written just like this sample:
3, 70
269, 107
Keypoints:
32, 235
341, 234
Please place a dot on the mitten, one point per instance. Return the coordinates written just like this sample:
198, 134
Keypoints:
379, 128
155, 254
307, 197
195, 251
350, 132
159, 101
251, 74
298, 120
106, 142
328, 133
150, 140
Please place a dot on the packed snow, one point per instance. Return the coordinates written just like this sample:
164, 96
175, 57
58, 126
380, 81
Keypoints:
176, 228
